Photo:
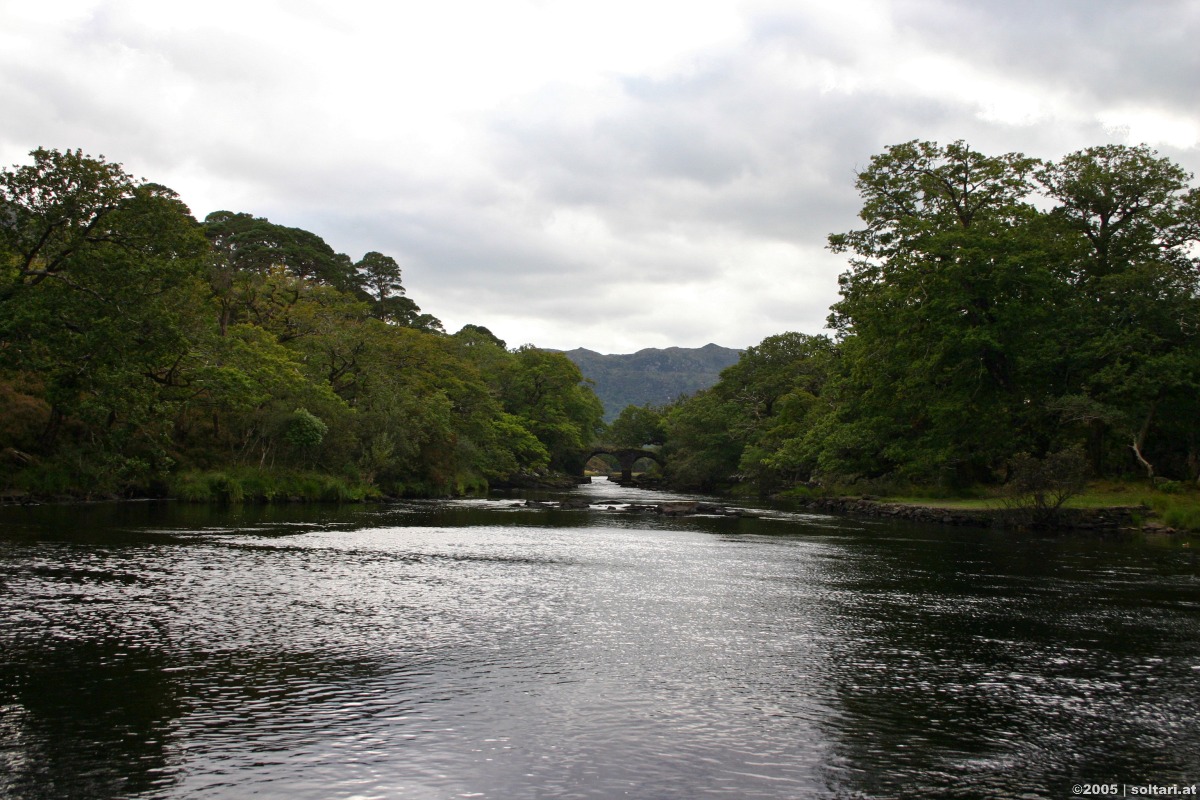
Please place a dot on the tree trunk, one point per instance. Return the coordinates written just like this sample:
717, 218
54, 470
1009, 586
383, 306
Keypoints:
1096, 446
1139, 441
50, 432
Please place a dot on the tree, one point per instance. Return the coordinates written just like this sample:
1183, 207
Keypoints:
380, 275
701, 450
736, 429
1137, 298
946, 316
1131, 205
472, 335
253, 257
380, 278
254, 244
133, 340
1038, 487
777, 386
57, 207
974, 325
547, 392
637, 426
104, 274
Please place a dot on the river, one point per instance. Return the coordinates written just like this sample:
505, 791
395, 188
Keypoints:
478, 649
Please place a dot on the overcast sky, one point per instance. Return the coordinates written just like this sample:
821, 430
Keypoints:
613, 175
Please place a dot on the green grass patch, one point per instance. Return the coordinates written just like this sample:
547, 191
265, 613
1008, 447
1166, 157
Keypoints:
963, 503
251, 485
1176, 510
1173, 504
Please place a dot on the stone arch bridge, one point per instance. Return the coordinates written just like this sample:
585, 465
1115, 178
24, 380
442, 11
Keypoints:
626, 456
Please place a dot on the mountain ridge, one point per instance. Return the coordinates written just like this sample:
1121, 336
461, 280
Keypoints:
652, 375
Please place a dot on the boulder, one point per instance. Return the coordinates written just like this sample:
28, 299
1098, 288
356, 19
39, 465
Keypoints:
575, 503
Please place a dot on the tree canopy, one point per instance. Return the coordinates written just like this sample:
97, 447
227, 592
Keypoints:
995, 309
137, 344
993, 306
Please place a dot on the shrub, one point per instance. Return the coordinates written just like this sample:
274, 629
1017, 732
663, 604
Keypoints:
304, 430
1038, 487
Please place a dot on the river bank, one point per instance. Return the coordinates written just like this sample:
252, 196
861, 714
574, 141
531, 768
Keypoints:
264, 486
1108, 519
1104, 509
259, 487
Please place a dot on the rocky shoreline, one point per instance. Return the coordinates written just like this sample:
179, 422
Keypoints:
673, 508
1111, 519
1115, 519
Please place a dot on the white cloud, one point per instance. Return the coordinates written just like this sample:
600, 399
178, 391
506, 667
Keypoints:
612, 175
1153, 126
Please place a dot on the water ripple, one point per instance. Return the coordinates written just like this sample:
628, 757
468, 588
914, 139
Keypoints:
463, 650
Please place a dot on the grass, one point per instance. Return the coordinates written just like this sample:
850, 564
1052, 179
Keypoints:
1175, 505
251, 485
1177, 511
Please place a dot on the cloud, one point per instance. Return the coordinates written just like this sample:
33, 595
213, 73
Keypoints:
613, 175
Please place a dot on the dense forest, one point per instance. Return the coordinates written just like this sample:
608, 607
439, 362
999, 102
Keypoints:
997, 310
142, 351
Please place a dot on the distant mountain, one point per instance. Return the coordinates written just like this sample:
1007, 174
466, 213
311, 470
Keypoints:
651, 375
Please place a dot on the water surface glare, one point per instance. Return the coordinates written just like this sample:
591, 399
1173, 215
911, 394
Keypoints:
475, 648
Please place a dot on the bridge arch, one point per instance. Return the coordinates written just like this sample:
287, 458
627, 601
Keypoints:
626, 456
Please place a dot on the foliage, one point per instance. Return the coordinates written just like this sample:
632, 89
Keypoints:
1038, 487
1000, 319
993, 305
1180, 511
701, 451
231, 358
546, 392
103, 272
748, 425
303, 430
471, 335
974, 325
637, 426
253, 485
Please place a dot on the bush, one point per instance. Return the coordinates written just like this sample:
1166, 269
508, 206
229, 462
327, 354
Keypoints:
303, 430
1180, 510
1038, 487
266, 486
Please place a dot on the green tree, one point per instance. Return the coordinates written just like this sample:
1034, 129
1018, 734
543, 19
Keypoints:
637, 426
472, 335
254, 244
133, 339
702, 451
760, 406
380, 277
103, 274
777, 388
973, 325
946, 318
547, 392
1136, 285
55, 209
254, 262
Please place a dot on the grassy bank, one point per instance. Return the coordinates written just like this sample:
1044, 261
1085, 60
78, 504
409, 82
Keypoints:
234, 484
249, 485
1172, 504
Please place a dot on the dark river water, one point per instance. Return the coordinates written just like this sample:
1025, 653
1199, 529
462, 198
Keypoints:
473, 649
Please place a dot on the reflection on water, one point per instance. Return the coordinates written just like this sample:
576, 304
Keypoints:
479, 648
